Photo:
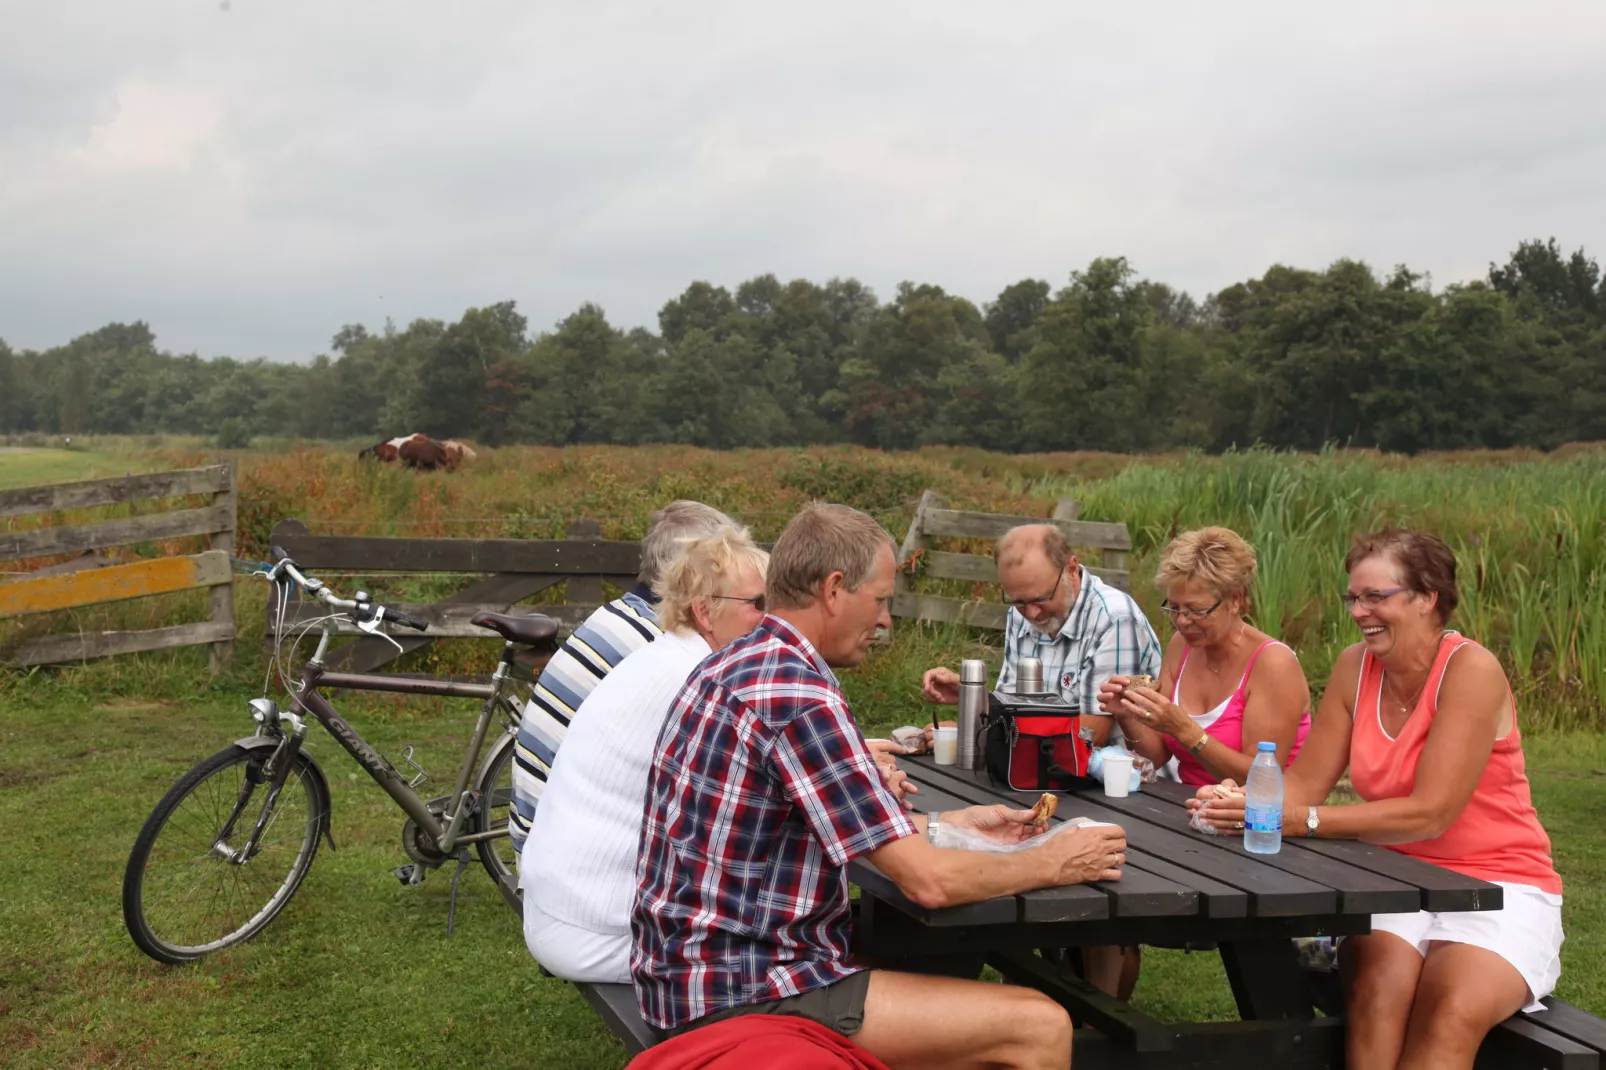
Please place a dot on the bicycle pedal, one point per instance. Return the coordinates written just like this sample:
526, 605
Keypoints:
410, 875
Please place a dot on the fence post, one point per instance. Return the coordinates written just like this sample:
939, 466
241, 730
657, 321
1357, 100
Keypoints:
222, 653
583, 590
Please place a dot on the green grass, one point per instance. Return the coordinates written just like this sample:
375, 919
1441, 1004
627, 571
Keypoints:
358, 971
36, 467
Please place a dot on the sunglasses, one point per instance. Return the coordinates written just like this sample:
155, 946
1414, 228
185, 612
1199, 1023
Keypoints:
757, 601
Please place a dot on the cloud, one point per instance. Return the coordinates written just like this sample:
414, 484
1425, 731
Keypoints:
249, 179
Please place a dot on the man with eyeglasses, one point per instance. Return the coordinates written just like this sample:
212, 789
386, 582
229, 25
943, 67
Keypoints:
1083, 631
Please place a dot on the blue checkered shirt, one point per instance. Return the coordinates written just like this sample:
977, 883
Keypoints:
1105, 634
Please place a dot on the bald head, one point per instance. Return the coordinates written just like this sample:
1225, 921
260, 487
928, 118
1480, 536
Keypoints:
1029, 543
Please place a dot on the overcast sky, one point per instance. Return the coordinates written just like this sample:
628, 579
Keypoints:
249, 175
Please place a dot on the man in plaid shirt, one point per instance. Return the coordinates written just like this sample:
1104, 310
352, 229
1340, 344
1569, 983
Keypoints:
763, 791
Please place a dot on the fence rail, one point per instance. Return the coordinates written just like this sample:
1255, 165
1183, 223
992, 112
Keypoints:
933, 520
94, 579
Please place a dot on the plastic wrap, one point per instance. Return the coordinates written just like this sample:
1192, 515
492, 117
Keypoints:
959, 838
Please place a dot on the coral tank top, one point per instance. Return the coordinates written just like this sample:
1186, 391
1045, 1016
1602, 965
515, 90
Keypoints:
1498, 836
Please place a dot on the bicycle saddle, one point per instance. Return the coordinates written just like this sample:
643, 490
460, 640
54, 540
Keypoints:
533, 629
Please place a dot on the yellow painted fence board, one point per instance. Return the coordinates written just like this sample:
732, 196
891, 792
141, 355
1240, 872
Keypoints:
114, 583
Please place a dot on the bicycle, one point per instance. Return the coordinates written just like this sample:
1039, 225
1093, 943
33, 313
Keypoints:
230, 843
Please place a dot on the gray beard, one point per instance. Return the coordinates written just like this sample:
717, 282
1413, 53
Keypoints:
1050, 626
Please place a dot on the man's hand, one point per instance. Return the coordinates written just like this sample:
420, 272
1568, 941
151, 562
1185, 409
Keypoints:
1091, 853
995, 822
940, 685
898, 782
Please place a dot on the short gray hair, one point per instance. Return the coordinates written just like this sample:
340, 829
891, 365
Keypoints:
820, 540
673, 526
1014, 545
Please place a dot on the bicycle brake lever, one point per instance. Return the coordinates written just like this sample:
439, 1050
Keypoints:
371, 627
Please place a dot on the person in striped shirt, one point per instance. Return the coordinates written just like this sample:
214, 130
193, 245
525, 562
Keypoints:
607, 637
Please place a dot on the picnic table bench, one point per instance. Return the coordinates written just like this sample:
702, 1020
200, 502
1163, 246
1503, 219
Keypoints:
1179, 887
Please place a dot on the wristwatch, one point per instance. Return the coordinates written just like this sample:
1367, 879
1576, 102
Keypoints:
1204, 739
933, 826
1312, 822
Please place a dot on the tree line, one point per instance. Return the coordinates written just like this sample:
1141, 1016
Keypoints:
1110, 361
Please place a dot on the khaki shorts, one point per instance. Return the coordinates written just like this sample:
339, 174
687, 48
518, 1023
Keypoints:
838, 1006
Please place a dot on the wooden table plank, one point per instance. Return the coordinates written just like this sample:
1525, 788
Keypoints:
1439, 888
1272, 892
1360, 891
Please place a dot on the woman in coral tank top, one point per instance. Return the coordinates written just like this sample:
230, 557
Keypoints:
1425, 720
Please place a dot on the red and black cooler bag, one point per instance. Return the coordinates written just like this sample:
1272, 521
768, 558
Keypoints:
1035, 745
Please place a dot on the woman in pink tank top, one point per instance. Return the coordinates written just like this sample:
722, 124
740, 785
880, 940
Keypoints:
1230, 685
1425, 721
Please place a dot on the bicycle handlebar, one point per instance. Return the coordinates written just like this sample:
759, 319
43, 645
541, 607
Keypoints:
360, 611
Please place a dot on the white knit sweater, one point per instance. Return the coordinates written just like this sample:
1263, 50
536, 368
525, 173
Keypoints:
579, 864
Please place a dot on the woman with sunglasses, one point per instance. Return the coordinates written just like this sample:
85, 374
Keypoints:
1224, 685
1425, 721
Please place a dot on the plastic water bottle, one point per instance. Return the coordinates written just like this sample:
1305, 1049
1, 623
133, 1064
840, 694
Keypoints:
1263, 803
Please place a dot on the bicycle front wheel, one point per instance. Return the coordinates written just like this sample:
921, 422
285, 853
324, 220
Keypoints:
496, 797
185, 893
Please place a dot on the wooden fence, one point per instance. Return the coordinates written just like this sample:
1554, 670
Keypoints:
91, 579
934, 520
519, 568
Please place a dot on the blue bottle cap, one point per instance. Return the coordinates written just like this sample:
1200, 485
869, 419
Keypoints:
1265, 747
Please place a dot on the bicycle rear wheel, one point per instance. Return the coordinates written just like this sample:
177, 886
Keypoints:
183, 896
496, 797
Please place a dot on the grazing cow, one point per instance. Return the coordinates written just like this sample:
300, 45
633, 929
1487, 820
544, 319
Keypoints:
458, 453
414, 451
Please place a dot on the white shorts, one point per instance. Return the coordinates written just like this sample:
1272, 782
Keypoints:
573, 953
1526, 932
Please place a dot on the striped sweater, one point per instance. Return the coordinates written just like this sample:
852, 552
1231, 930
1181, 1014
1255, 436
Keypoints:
615, 630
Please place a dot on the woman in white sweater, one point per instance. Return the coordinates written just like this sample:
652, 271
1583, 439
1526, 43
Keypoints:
579, 863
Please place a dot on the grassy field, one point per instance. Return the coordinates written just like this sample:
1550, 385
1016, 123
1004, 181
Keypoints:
359, 972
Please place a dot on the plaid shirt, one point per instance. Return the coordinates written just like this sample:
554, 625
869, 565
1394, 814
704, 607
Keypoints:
1105, 633
761, 793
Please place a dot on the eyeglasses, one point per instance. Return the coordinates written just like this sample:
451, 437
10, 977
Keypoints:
757, 601
1369, 598
1027, 603
1184, 611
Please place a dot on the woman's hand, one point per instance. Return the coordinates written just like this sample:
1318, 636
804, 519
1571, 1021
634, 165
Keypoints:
1155, 710
995, 822
1221, 806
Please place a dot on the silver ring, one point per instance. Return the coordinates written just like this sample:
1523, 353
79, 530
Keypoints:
1238, 825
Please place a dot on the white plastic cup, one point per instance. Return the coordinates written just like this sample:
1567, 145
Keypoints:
1117, 775
945, 746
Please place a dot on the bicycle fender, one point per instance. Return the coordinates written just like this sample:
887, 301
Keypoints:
261, 742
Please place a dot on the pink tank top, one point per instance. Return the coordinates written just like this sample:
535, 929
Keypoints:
1498, 836
1225, 723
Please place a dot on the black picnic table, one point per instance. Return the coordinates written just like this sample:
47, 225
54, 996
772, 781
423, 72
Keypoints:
1179, 887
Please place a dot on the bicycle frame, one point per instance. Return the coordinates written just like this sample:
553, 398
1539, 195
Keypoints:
446, 828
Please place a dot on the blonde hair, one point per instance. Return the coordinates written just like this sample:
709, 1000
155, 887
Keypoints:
703, 569
1216, 557
818, 541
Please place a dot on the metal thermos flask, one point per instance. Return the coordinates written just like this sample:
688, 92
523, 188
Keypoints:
1029, 676
972, 709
